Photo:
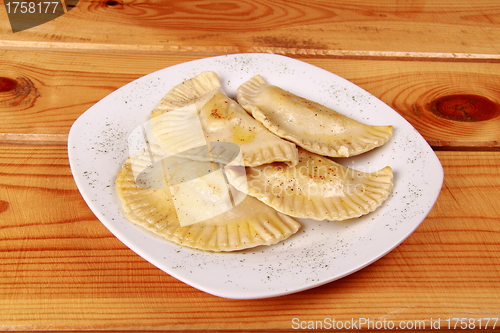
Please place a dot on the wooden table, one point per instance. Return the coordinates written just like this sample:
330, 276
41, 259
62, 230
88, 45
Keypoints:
437, 63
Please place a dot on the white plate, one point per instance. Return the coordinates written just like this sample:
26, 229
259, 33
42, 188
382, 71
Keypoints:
322, 251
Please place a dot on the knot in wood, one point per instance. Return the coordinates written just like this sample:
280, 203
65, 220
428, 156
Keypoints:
7, 84
465, 107
19, 92
112, 3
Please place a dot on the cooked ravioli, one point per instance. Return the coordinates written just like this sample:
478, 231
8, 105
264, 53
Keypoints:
194, 91
156, 205
317, 188
197, 112
308, 124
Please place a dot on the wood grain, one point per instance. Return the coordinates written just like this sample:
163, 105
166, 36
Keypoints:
318, 27
60, 268
51, 89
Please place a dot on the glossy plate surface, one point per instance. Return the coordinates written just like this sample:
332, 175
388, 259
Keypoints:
320, 252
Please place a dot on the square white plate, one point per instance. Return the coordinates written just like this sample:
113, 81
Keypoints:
322, 251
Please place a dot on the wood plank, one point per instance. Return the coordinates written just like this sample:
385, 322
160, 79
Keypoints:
50, 90
60, 268
44, 92
316, 28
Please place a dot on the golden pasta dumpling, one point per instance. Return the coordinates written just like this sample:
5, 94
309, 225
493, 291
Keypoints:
191, 204
317, 188
197, 112
308, 124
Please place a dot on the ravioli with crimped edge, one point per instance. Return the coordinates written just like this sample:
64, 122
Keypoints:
201, 103
317, 188
248, 224
308, 124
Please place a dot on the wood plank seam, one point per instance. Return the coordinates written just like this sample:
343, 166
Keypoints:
220, 50
33, 139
